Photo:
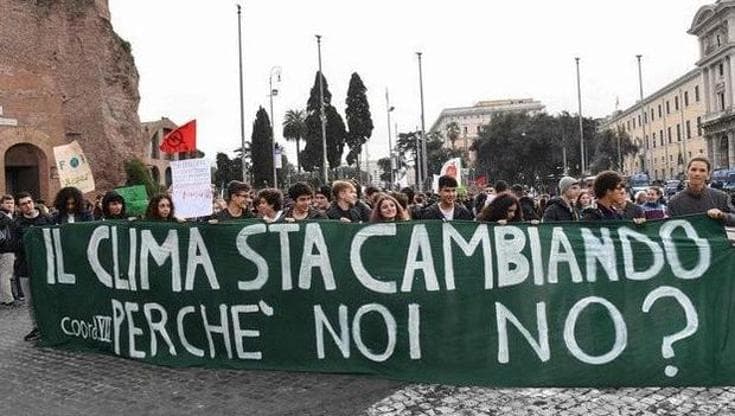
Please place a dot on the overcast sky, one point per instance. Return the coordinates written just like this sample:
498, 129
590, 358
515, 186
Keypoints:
186, 54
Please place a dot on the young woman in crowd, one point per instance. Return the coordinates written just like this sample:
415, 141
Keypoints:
70, 207
269, 203
503, 209
388, 209
113, 207
584, 201
160, 208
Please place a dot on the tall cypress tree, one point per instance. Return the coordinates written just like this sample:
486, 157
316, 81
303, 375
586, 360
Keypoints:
261, 149
359, 121
311, 156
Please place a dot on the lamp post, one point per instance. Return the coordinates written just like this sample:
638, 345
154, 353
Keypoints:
389, 108
322, 116
276, 70
424, 162
242, 109
581, 131
643, 126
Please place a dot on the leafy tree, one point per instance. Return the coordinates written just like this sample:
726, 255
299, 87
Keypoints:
359, 121
262, 150
606, 150
138, 174
227, 170
311, 157
294, 128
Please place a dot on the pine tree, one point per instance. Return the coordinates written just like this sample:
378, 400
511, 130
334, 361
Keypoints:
311, 157
261, 149
359, 121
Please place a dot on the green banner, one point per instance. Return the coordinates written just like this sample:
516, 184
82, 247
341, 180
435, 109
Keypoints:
136, 199
603, 304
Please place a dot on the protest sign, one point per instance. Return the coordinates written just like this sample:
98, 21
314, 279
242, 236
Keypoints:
191, 187
73, 168
453, 168
603, 304
136, 199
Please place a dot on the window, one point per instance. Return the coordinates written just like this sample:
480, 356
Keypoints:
659, 111
686, 98
678, 132
478, 129
645, 118
721, 100
676, 103
721, 69
633, 122
689, 130
668, 109
465, 130
639, 120
654, 141
690, 155
652, 115
699, 126
661, 136
701, 150
669, 131
696, 93
628, 125
671, 158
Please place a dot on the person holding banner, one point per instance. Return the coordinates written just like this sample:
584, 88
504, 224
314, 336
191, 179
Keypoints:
388, 209
269, 205
609, 188
561, 208
29, 217
321, 199
698, 198
160, 208
70, 207
504, 209
344, 207
238, 202
446, 208
113, 206
301, 194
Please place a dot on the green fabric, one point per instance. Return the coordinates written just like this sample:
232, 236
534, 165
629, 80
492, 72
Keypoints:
422, 326
136, 199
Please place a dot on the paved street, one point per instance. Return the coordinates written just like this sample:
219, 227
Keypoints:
53, 382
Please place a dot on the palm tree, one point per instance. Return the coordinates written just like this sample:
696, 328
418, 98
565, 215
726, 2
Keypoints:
294, 128
453, 132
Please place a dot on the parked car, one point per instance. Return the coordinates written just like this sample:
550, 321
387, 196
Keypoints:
672, 187
638, 182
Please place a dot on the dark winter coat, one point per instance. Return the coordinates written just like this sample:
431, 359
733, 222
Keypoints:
557, 210
432, 212
21, 225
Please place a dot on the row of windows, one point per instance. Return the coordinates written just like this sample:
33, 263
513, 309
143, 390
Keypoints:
669, 136
666, 106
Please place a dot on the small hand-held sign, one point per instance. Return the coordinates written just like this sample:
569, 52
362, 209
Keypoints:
183, 139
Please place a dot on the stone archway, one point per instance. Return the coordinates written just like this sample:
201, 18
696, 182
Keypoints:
22, 169
26, 158
169, 179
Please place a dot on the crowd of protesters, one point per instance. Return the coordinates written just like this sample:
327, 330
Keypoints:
605, 199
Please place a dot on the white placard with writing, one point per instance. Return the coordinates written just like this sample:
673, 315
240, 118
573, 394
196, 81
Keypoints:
191, 188
73, 168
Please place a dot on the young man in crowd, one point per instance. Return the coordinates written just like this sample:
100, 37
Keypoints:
526, 203
446, 208
7, 257
609, 188
301, 209
698, 198
561, 208
322, 198
29, 217
238, 202
344, 207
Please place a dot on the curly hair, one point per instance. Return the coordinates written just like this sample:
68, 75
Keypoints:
151, 213
64, 195
498, 209
272, 196
401, 213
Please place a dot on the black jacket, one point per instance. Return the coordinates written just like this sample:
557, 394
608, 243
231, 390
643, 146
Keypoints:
21, 225
557, 210
6, 233
432, 212
355, 214
312, 214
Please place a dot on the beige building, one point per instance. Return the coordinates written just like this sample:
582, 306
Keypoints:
471, 119
694, 115
666, 128
156, 160
714, 26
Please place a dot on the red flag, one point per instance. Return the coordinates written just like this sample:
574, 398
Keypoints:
183, 139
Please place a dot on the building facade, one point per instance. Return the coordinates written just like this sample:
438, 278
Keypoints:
470, 120
714, 26
158, 162
666, 127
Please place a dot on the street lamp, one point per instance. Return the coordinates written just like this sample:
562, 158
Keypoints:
581, 130
275, 71
242, 109
322, 116
389, 108
424, 165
